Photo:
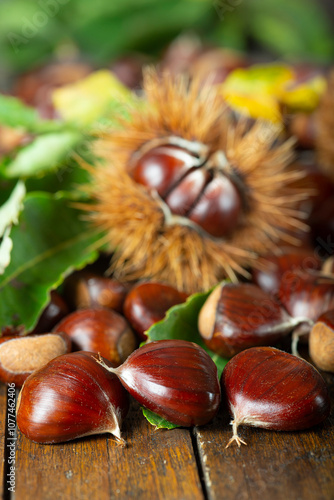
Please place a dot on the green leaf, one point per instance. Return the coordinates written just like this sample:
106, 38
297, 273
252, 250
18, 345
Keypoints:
10, 210
181, 323
15, 114
293, 30
9, 213
64, 182
158, 422
44, 154
50, 241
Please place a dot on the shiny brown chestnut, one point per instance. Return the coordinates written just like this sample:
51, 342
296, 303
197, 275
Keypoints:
71, 397
20, 356
99, 330
147, 303
175, 379
202, 189
321, 342
271, 389
56, 310
85, 289
274, 268
238, 316
307, 295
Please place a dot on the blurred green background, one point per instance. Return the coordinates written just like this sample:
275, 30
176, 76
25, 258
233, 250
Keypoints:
33, 32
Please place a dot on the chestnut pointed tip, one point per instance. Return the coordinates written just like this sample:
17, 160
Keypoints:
235, 436
121, 443
119, 440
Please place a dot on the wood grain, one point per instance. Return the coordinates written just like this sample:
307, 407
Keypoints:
161, 464
78, 469
275, 465
154, 464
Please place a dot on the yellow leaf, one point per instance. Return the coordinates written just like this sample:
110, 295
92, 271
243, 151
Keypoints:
304, 96
87, 100
263, 106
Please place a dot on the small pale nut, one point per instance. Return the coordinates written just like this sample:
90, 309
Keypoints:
21, 356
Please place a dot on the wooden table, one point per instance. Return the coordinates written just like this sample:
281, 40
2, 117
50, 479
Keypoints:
182, 464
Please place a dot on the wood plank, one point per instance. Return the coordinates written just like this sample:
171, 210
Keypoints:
3, 409
154, 464
78, 469
275, 465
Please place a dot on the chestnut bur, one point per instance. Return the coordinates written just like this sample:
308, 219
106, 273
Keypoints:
71, 397
239, 316
175, 379
271, 389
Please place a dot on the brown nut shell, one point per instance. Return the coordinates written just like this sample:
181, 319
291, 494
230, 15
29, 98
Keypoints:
85, 289
100, 330
236, 317
271, 389
147, 303
71, 397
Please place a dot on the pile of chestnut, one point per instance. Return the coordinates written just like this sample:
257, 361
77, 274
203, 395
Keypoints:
76, 379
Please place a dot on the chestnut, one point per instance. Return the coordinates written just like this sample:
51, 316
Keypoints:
307, 295
56, 310
192, 186
85, 289
147, 303
71, 397
321, 342
20, 356
175, 379
99, 330
238, 316
272, 269
269, 388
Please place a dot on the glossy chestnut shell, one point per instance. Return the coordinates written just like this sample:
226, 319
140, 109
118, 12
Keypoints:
196, 188
269, 388
71, 397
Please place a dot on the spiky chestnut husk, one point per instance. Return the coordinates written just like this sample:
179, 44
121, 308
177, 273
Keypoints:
150, 242
325, 130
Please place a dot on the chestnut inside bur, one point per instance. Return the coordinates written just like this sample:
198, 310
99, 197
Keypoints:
192, 185
71, 397
269, 388
175, 379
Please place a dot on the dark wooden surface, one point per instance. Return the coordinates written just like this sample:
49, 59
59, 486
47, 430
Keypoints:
181, 464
